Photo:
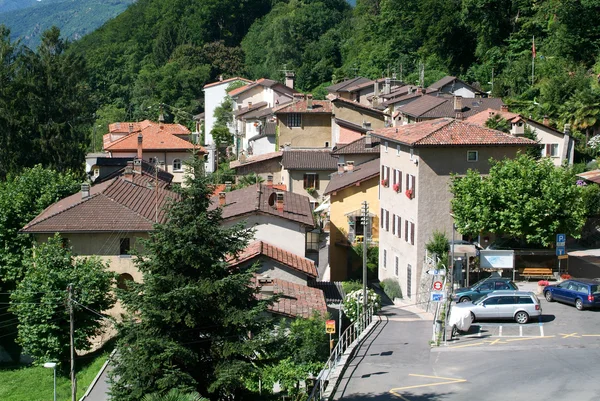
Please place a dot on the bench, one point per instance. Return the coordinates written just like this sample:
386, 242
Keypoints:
538, 272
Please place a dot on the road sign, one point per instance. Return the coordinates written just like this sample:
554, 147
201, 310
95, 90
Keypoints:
437, 285
436, 272
563, 257
437, 297
330, 326
560, 240
560, 250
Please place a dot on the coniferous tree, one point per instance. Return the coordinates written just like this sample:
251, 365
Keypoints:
193, 317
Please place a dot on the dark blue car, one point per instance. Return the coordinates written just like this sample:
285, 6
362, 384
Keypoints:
583, 293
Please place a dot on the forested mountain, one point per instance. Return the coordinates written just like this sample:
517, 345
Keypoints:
27, 19
165, 51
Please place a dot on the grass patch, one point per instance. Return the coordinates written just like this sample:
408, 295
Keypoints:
35, 383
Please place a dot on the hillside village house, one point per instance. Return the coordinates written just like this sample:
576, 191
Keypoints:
559, 146
214, 94
307, 172
416, 163
281, 218
352, 120
347, 189
265, 165
164, 145
304, 123
363, 90
256, 129
456, 87
285, 273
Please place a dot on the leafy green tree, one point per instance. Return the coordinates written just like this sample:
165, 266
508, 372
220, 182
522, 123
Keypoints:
174, 395
440, 246
193, 317
40, 299
535, 152
372, 259
498, 123
524, 199
249, 179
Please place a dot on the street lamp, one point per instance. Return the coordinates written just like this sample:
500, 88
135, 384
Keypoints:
52, 365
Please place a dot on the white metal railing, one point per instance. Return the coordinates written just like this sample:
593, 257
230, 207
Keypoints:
346, 340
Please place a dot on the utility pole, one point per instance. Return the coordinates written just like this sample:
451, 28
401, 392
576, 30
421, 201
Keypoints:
72, 343
365, 221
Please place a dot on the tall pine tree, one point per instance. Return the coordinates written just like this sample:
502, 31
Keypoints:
193, 317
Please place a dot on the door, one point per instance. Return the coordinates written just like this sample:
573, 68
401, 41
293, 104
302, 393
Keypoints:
488, 309
570, 292
483, 289
506, 307
560, 291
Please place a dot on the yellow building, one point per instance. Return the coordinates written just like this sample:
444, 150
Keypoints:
347, 190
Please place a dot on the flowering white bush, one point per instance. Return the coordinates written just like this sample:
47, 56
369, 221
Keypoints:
594, 142
353, 303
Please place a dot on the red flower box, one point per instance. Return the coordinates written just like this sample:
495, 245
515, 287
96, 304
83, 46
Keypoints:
384, 183
409, 193
396, 187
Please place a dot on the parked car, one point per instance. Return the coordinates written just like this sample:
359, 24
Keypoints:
517, 305
583, 293
482, 288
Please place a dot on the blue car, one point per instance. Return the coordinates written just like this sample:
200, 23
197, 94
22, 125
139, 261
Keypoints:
583, 293
482, 288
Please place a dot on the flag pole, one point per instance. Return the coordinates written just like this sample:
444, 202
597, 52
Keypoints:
533, 62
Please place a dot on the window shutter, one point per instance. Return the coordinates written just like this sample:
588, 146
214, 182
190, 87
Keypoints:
399, 232
381, 216
305, 181
400, 179
407, 181
387, 220
406, 230
412, 233
413, 178
316, 181
394, 176
382, 173
548, 149
393, 224
387, 173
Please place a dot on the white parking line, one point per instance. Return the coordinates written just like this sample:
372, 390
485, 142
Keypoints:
520, 331
500, 331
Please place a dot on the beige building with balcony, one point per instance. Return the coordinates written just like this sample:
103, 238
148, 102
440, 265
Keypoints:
417, 161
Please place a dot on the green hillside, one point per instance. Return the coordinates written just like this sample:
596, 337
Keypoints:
75, 18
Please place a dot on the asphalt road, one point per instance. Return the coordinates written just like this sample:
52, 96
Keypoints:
554, 359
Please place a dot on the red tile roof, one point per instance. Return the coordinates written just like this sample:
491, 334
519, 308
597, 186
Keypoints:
123, 127
154, 136
319, 106
227, 81
296, 300
360, 173
255, 159
113, 206
449, 132
268, 83
280, 255
481, 118
258, 199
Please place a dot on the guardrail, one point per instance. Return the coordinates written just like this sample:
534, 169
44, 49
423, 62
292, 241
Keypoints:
346, 340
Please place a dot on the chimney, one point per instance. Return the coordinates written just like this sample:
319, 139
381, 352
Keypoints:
458, 103
130, 128
420, 90
269, 180
249, 105
220, 77
546, 121
341, 168
85, 191
161, 120
227, 186
386, 87
222, 196
309, 101
280, 201
289, 79
349, 166
139, 146
368, 141
137, 165
504, 108
567, 129
128, 174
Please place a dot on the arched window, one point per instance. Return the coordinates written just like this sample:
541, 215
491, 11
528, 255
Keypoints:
123, 279
177, 165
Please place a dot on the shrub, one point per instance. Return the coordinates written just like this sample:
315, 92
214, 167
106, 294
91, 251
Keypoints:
391, 288
350, 286
353, 303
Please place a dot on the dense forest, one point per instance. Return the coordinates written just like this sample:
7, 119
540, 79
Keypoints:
165, 51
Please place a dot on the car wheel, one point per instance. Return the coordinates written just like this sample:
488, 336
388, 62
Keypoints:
465, 299
579, 304
522, 317
548, 296
472, 317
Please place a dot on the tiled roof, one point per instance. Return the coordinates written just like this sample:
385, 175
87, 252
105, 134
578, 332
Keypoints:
308, 160
358, 146
270, 129
255, 159
593, 176
449, 132
258, 199
342, 86
333, 290
113, 206
226, 81
147, 125
360, 173
150, 170
244, 110
154, 138
351, 126
297, 300
319, 106
429, 106
442, 82
258, 113
407, 96
482, 117
358, 105
280, 255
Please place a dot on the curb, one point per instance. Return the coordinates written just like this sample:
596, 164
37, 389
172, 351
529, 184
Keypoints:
100, 372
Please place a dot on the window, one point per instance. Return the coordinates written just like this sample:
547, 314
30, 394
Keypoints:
96, 171
385, 258
387, 220
552, 149
397, 150
294, 120
411, 182
398, 225
311, 180
123, 279
124, 246
506, 301
501, 285
326, 144
409, 232
396, 266
153, 160
312, 241
385, 173
486, 287
177, 165
393, 224
492, 301
409, 280
398, 178
472, 155
381, 216
525, 300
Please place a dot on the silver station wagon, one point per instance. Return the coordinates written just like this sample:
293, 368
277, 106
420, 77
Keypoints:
498, 305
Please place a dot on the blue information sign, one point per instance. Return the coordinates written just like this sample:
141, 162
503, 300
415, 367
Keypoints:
560, 250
